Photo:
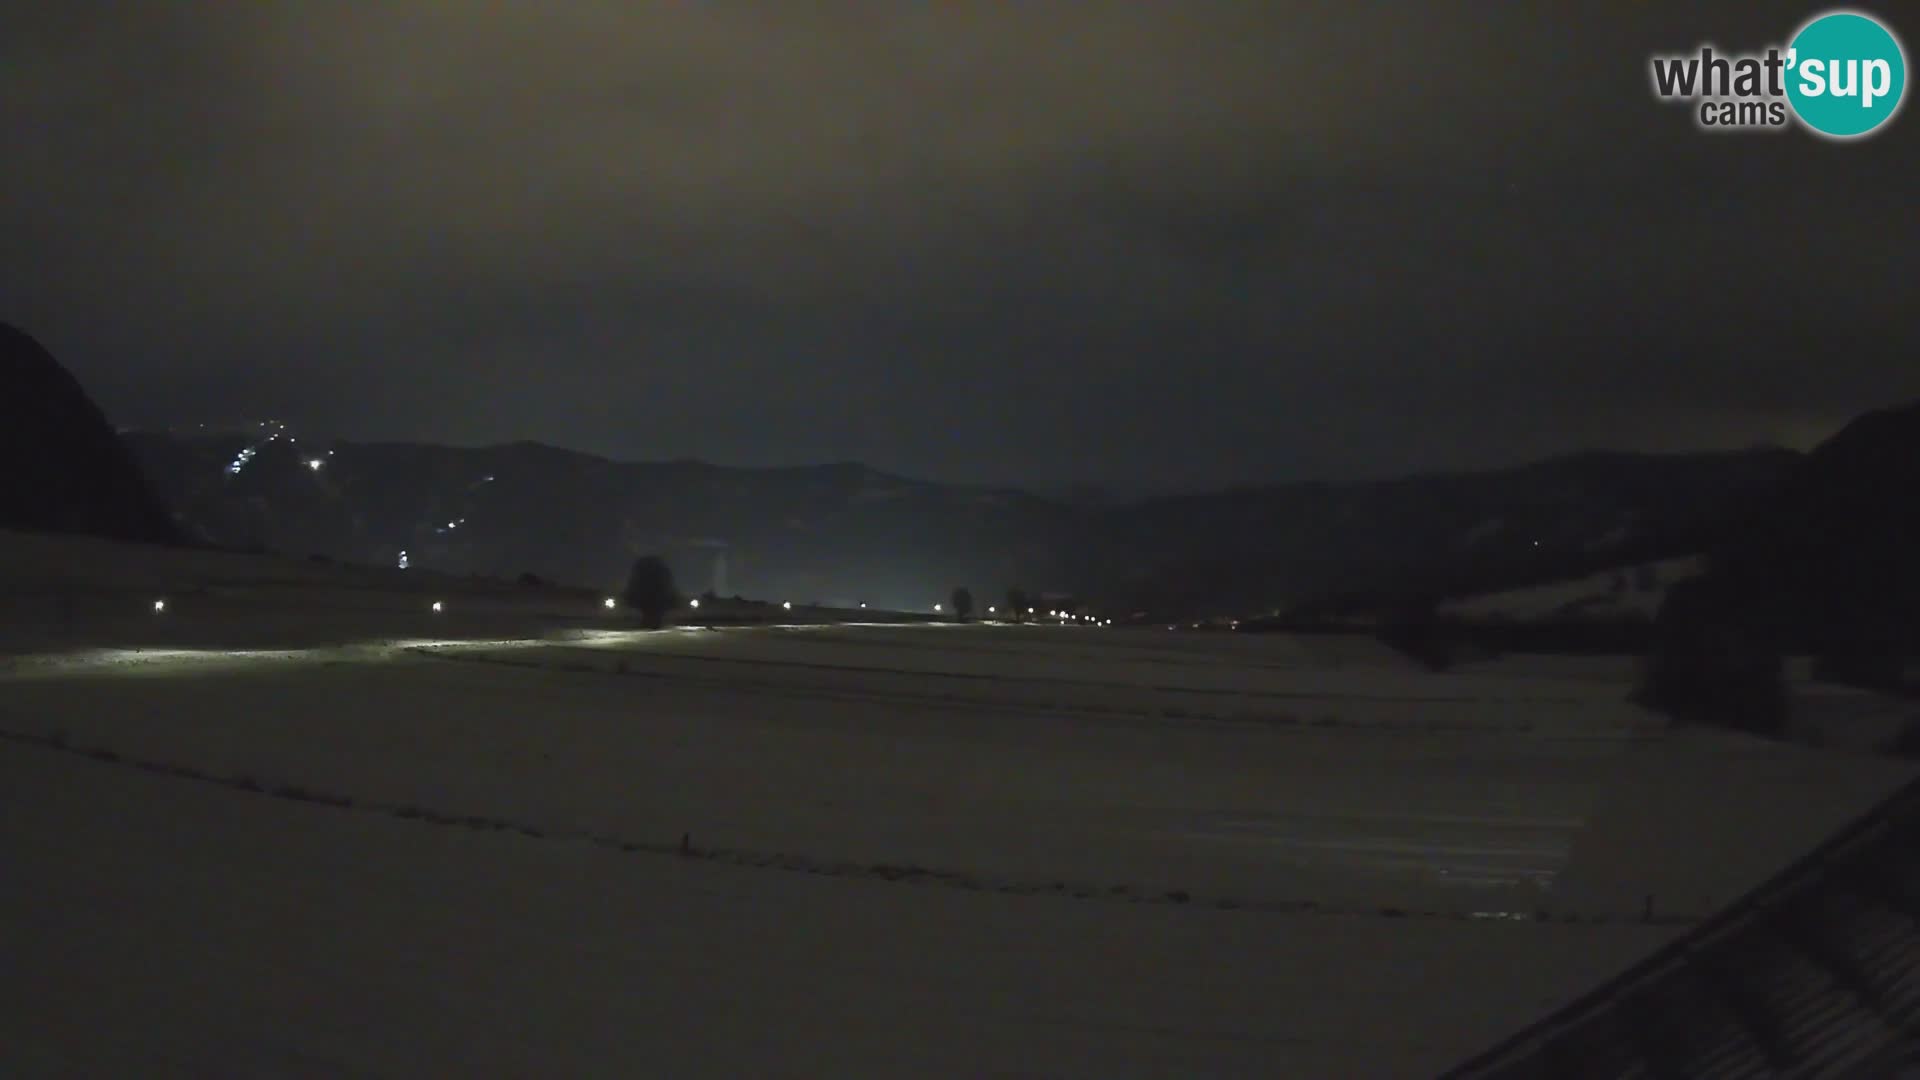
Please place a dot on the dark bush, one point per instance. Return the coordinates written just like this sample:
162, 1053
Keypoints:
1417, 631
1714, 660
1907, 743
531, 579
650, 590
962, 599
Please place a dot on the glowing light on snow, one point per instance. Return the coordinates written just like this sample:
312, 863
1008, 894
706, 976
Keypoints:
936, 607
608, 603
694, 603
403, 560
989, 609
787, 605
314, 464
438, 606
159, 606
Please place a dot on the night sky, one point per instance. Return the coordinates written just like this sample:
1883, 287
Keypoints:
1143, 246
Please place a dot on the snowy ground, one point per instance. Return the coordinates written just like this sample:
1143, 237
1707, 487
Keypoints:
1627, 591
298, 828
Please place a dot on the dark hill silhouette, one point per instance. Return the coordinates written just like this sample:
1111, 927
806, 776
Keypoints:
62, 466
847, 532
1836, 556
1369, 547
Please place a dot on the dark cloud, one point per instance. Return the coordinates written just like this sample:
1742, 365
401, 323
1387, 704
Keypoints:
1143, 245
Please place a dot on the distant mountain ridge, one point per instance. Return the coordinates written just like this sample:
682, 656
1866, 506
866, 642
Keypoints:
1824, 541
848, 533
62, 466
840, 532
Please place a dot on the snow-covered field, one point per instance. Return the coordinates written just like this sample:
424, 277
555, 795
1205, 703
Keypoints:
1625, 592
299, 827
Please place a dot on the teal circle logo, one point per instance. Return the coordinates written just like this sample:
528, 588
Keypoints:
1846, 74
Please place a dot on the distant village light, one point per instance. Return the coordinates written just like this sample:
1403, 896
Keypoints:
159, 606
608, 603
936, 607
694, 603
787, 604
438, 606
314, 464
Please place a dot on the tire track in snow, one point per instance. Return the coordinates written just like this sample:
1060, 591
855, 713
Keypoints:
892, 873
1323, 723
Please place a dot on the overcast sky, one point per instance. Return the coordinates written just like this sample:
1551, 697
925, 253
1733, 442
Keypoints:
1147, 246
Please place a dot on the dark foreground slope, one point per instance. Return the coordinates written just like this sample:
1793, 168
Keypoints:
62, 467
